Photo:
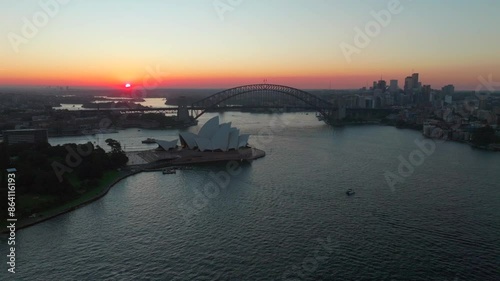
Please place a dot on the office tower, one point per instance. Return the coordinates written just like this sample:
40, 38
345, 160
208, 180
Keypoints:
415, 81
408, 84
394, 88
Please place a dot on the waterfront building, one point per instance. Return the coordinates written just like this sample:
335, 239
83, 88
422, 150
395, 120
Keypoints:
25, 136
213, 136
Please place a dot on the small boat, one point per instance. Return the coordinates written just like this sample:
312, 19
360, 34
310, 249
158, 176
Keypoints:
168, 171
350, 192
149, 140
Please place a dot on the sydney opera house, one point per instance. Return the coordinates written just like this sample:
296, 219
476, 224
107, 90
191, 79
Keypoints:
214, 142
211, 137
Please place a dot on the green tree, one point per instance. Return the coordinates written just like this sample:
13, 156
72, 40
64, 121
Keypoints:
117, 156
483, 136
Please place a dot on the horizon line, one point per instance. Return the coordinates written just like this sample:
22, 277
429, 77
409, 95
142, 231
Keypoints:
52, 87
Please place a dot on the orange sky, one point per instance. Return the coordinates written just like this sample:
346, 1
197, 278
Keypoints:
91, 43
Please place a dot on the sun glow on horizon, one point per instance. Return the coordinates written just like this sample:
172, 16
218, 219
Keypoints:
188, 46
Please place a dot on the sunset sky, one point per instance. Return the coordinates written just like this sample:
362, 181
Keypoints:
292, 42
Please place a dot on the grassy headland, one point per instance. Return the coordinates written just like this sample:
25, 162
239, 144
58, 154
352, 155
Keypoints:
54, 180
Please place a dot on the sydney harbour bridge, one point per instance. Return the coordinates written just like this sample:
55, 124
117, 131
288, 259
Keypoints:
256, 96
262, 96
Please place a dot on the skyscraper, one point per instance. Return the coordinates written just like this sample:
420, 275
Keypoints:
408, 84
426, 94
382, 85
394, 88
448, 90
416, 84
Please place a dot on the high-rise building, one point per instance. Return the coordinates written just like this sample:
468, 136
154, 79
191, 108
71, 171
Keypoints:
394, 88
408, 84
415, 81
448, 90
425, 94
382, 85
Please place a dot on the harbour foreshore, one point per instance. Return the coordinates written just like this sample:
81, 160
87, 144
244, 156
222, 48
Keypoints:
190, 158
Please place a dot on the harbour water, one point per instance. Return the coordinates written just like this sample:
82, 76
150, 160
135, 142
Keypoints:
285, 216
148, 102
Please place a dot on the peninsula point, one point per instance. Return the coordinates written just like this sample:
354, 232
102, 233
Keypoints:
213, 143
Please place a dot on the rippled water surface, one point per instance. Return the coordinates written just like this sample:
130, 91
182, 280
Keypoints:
286, 216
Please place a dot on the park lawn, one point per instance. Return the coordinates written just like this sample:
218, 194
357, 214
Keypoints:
104, 182
29, 202
73, 180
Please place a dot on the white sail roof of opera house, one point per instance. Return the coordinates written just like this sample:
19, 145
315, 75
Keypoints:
210, 128
188, 140
167, 145
212, 136
233, 138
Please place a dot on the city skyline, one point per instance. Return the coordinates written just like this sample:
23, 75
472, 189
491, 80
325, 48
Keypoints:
221, 44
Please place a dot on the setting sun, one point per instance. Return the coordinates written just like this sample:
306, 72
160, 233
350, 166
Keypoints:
127, 85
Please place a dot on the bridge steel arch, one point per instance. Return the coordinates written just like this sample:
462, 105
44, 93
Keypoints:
325, 108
